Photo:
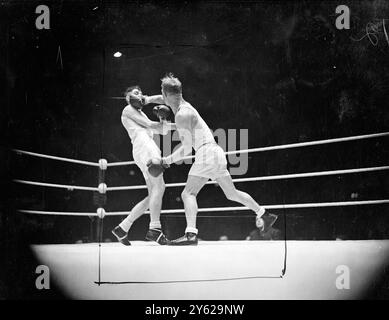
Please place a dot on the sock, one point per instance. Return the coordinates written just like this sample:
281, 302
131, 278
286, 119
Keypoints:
260, 212
191, 229
155, 225
126, 224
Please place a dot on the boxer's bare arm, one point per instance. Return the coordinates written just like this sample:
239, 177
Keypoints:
184, 123
154, 99
170, 126
165, 127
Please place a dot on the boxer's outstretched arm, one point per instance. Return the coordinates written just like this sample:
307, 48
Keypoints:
164, 127
154, 99
170, 126
184, 121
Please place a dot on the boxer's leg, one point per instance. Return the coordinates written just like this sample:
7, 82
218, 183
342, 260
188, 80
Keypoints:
156, 188
192, 188
236, 195
265, 220
135, 213
193, 185
121, 231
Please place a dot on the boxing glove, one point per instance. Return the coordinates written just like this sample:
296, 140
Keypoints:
156, 166
162, 112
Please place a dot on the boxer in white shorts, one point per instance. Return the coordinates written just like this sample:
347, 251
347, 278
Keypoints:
210, 161
140, 130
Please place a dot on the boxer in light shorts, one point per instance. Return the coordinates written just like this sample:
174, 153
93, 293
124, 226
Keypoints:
210, 161
140, 130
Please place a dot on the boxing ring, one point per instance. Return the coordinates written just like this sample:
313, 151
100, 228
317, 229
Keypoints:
230, 270
147, 271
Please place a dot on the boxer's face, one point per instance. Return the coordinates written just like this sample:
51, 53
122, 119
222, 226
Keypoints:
165, 98
134, 93
163, 95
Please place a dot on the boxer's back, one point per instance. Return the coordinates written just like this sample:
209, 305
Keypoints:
201, 134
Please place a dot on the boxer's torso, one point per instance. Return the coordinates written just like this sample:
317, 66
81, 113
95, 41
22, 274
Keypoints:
138, 134
201, 134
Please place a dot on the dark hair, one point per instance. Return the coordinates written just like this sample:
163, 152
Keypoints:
129, 89
171, 84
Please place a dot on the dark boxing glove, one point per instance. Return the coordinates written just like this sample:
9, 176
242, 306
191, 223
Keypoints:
156, 166
162, 112
137, 102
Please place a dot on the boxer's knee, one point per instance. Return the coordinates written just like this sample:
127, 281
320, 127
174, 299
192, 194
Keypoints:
186, 194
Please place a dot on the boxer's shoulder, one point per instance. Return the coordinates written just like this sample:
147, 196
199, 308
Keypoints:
129, 110
185, 113
185, 117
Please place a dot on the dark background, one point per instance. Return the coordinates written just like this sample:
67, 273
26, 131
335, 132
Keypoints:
279, 69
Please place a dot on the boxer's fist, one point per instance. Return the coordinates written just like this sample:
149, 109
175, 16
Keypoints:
162, 112
137, 102
156, 166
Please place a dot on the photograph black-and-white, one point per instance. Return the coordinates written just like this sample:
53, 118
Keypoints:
196, 151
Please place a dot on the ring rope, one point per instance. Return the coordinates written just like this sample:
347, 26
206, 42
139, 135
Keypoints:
88, 163
279, 147
59, 213
53, 185
123, 163
180, 184
221, 209
264, 178
310, 143
261, 149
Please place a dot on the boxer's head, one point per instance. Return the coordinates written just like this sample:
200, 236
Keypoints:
171, 88
134, 96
